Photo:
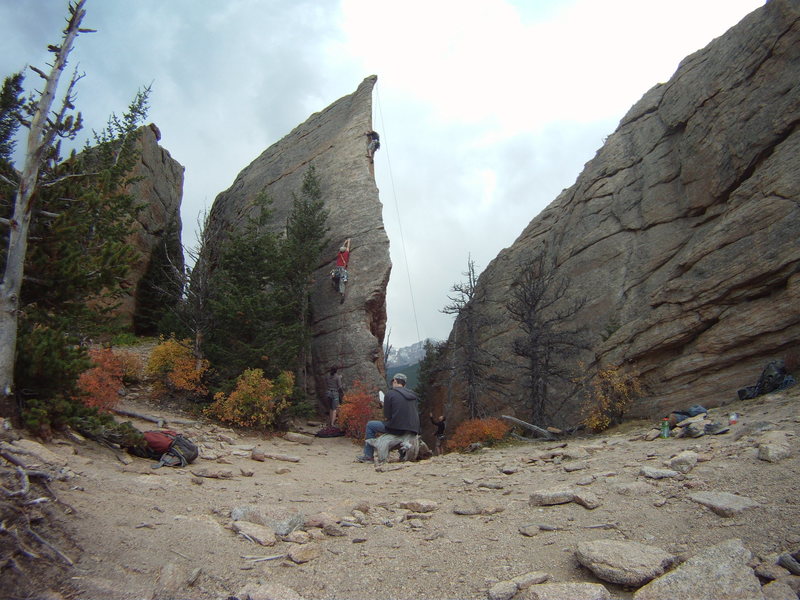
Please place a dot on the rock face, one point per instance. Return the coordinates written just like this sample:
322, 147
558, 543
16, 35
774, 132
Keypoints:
350, 334
679, 236
158, 229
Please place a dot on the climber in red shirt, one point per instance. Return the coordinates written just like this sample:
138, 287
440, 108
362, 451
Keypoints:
339, 273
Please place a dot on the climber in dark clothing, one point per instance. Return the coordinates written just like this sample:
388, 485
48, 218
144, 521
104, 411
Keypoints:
439, 435
373, 143
400, 414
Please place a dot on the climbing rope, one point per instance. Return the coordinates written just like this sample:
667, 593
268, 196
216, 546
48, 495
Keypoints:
384, 147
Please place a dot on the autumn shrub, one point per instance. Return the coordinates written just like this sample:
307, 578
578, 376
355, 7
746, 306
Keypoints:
358, 407
255, 400
173, 367
611, 393
99, 386
132, 367
486, 431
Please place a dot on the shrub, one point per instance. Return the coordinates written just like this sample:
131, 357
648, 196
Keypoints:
99, 386
255, 401
612, 391
125, 339
359, 406
174, 367
132, 367
485, 431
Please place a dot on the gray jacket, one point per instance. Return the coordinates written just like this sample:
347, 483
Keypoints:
400, 411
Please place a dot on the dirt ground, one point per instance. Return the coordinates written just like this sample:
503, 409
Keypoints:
139, 532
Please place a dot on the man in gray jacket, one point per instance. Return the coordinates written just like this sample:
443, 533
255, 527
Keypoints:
400, 412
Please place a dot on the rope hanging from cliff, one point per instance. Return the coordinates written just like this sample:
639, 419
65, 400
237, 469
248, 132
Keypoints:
385, 153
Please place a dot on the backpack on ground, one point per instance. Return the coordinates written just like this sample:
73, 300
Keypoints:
168, 448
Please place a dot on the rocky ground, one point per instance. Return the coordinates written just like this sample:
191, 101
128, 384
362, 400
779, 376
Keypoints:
298, 518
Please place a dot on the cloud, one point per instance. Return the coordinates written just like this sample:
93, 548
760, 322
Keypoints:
486, 110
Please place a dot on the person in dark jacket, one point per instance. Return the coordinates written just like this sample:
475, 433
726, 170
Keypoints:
400, 412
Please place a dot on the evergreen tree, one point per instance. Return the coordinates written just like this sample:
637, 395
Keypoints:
65, 221
244, 304
306, 231
258, 291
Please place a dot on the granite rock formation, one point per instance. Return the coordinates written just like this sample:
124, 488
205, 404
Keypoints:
350, 334
680, 236
157, 231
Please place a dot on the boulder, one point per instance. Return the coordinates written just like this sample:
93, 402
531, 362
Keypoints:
624, 563
714, 573
678, 240
349, 334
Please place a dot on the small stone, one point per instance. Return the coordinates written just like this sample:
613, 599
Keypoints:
282, 470
258, 533
333, 530
305, 553
550, 497
773, 452
572, 591
587, 499
653, 473
526, 580
724, 504
504, 590
421, 506
571, 467
529, 530
777, 590
298, 536
683, 462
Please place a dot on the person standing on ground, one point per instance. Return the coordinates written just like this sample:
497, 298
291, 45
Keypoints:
400, 412
334, 392
339, 274
439, 434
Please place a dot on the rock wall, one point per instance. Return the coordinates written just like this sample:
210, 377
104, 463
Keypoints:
158, 228
348, 335
681, 234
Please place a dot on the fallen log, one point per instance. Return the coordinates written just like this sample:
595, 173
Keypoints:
160, 421
536, 430
129, 413
262, 456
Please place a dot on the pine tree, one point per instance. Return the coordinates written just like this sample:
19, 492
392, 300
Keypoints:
243, 302
306, 231
258, 297
66, 259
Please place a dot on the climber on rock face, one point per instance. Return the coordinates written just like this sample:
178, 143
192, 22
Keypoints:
373, 143
339, 273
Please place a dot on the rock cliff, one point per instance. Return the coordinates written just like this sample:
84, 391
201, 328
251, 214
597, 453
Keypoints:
679, 238
333, 141
157, 232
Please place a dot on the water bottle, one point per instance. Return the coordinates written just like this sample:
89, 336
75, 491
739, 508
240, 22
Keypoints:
665, 428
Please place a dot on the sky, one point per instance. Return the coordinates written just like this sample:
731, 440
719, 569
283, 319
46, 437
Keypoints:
487, 109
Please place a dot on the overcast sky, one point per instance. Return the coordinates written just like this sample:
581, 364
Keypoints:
487, 109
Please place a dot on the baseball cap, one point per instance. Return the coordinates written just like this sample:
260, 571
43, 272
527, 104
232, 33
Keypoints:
400, 377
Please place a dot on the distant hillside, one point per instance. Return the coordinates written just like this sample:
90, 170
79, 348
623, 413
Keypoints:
407, 355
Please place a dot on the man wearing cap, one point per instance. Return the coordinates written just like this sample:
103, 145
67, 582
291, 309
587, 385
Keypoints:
400, 415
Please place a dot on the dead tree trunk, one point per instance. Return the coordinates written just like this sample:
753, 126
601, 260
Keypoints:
42, 133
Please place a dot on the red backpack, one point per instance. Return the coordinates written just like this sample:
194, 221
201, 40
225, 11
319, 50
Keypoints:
168, 448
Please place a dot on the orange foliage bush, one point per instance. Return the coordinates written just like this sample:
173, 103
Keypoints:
99, 386
132, 367
359, 406
485, 431
612, 392
175, 368
256, 401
